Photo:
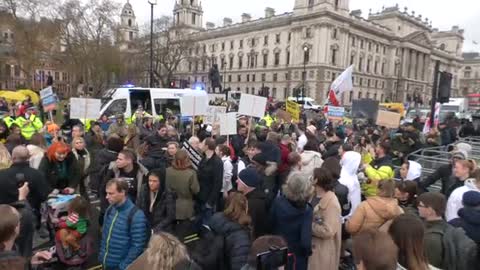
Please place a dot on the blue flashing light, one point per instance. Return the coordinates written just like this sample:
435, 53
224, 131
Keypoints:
199, 86
128, 85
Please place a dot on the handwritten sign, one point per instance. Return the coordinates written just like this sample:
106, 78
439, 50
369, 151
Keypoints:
228, 123
213, 113
293, 109
388, 119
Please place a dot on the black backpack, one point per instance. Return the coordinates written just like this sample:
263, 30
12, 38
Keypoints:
206, 248
341, 192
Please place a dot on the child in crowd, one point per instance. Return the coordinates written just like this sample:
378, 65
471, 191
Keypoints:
74, 227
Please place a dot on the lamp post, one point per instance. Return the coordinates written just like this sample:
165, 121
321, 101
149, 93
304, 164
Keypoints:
152, 3
305, 51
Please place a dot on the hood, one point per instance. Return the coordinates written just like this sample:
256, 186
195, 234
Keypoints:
308, 156
287, 211
471, 184
414, 170
35, 150
470, 215
387, 208
350, 163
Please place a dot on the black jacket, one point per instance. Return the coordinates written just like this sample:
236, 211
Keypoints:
61, 174
257, 209
469, 221
162, 216
238, 142
331, 150
210, 178
155, 146
99, 168
237, 241
443, 173
38, 185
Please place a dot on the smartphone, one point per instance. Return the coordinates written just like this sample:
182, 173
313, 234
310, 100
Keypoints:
272, 259
20, 179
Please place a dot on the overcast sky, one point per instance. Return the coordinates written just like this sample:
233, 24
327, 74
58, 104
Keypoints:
445, 14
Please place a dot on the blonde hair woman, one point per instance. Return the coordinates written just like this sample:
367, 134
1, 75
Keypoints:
164, 252
5, 158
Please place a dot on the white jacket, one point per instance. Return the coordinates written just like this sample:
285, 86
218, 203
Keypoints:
455, 201
348, 177
227, 174
310, 161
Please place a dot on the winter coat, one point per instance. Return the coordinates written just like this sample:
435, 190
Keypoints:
380, 169
102, 161
332, 149
237, 240
36, 155
469, 221
373, 213
348, 177
61, 174
38, 185
121, 242
210, 178
443, 173
257, 209
162, 215
454, 202
327, 233
145, 132
156, 145
185, 185
227, 174
294, 224
310, 161
284, 152
434, 242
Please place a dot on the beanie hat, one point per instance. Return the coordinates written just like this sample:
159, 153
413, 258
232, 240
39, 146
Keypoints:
260, 159
471, 198
460, 154
249, 177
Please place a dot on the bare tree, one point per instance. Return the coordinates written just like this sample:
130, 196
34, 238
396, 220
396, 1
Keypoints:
88, 34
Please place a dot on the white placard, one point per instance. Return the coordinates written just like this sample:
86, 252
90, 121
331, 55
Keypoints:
85, 108
252, 105
213, 113
194, 105
46, 92
228, 123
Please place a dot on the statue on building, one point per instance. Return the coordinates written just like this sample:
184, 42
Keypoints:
214, 77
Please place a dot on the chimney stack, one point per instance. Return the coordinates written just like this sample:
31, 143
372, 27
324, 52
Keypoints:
246, 17
227, 22
269, 12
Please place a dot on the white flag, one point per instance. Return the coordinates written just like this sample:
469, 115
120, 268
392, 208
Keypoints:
343, 82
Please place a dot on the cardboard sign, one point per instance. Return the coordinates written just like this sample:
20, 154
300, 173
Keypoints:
228, 123
293, 109
335, 113
286, 117
85, 108
388, 119
46, 92
365, 109
251, 105
213, 113
194, 105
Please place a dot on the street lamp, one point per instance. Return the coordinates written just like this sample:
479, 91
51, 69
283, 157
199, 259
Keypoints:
152, 3
305, 51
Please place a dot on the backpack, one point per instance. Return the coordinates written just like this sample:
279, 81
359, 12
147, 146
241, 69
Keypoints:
341, 191
206, 248
460, 252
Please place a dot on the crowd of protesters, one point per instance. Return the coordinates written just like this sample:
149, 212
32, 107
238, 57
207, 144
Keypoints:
309, 195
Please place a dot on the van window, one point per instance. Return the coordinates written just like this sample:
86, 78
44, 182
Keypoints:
118, 106
162, 105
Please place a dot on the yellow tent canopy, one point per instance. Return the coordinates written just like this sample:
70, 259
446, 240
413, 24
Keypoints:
34, 96
12, 96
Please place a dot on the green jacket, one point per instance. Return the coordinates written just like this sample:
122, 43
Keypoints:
28, 129
434, 242
379, 170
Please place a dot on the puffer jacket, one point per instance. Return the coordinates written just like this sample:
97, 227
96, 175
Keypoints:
469, 221
380, 169
373, 213
121, 242
310, 161
237, 240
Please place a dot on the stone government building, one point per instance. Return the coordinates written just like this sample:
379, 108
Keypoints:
393, 51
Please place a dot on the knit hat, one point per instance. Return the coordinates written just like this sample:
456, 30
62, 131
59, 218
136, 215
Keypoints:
459, 155
249, 177
260, 159
471, 198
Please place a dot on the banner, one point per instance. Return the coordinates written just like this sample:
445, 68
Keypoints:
293, 109
388, 119
335, 113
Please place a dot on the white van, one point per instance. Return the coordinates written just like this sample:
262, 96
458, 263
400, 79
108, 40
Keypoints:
155, 101
306, 102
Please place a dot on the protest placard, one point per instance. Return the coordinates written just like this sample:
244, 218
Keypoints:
293, 109
49, 99
335, 113
46, 92
286, 117
365, 109
194, 105
388, 119
85, 108
228, 123
251, 105
213, 112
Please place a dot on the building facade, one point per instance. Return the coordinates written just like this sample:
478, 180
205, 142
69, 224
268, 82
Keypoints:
470, 74
393, 51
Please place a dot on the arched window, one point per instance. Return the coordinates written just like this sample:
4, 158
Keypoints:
129, 22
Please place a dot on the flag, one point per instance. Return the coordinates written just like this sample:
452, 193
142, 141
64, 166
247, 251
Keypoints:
341, 84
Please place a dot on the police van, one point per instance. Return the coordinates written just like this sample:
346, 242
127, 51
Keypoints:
155, 101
